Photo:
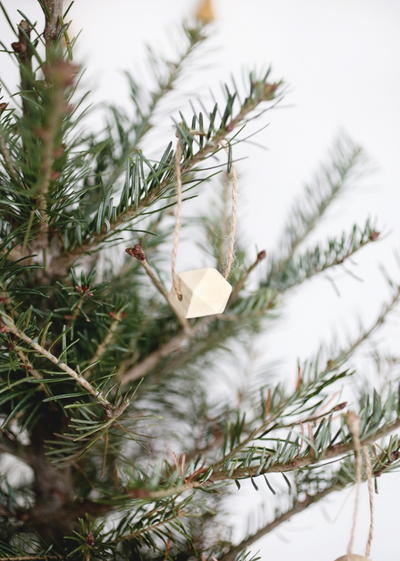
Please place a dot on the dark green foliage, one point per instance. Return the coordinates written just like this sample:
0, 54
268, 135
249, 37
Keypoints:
103, 396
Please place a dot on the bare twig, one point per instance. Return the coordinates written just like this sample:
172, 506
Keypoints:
261, 255
137, 252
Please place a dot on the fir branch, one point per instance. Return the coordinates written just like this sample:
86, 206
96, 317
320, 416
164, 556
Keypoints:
10, 327
147, 529
320, 259
345, 166
306, 460
261, 91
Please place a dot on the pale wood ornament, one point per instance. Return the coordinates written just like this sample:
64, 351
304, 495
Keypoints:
204, 292
353, 557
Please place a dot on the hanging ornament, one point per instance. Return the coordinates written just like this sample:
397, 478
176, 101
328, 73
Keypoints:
205, 12
361, 454
204, 292
200, 292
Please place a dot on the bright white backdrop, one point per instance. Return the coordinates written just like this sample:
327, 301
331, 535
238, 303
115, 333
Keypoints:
340, 60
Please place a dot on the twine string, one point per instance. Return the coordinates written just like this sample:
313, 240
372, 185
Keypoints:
361, 455
233, 221
369, 473
178, 221
354, 426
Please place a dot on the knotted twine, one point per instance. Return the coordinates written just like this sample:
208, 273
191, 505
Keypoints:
361, 456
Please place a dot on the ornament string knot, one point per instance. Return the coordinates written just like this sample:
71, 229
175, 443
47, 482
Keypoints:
201, 292
362, 457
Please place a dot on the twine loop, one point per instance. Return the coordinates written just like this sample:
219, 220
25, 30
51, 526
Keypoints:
230, 254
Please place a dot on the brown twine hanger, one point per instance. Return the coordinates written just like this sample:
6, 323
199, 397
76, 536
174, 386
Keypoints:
230, 255
362, 455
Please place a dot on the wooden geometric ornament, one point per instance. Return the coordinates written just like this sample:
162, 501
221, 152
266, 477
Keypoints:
205, 292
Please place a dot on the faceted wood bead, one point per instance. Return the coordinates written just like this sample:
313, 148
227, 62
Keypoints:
204, 292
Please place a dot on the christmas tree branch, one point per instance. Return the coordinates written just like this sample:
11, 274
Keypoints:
10, 327
329, 184
265, 92
165, 86
306, 460
383, 462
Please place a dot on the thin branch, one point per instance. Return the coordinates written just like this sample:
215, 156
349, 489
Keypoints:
179, 514
9, 326
309, 459
261, 255
138, 253
28, 366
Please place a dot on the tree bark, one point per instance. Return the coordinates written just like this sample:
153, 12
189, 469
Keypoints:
53, 19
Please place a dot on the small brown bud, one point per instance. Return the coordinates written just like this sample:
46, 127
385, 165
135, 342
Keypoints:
270, 89
90, 539
137, 252
340, 406
18, 47
3, 106
261, 255
84, 289
24, 26
374, 235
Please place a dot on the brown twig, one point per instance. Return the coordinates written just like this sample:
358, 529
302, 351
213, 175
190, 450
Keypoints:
137, 252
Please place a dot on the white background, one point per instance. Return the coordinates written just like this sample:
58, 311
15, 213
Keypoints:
340, 61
